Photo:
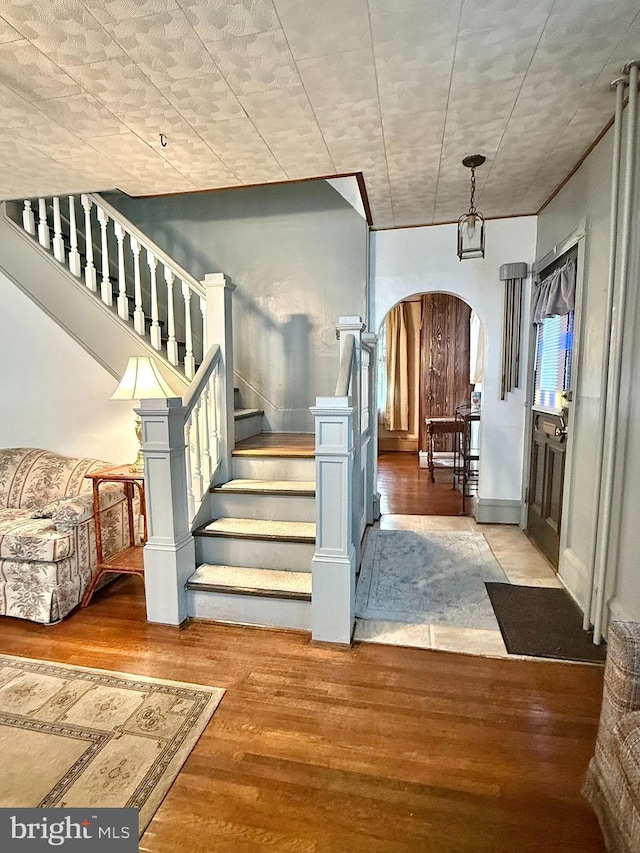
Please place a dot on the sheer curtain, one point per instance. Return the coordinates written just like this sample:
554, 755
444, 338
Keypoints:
397, 402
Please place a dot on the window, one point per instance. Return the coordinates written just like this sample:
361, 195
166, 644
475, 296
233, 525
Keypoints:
553, 361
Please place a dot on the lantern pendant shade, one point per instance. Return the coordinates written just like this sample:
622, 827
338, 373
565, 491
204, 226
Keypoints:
471, 236
471, 224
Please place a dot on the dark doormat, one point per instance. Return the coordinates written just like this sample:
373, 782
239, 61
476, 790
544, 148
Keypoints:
542, 622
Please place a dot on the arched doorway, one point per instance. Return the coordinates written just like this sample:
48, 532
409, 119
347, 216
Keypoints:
431, 360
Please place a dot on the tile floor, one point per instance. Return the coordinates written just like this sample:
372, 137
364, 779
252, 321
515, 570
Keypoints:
520, 560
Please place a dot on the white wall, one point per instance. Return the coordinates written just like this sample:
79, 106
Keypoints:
419, 260
586, 198
52, 393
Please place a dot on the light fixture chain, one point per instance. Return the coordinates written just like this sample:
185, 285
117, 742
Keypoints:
472, 198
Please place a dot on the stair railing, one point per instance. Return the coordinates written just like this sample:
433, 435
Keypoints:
345, 453
129, 272
187, 445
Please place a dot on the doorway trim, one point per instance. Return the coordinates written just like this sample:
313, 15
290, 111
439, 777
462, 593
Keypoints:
576, 238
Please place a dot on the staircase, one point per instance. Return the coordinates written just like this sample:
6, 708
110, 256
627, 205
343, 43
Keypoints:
254, 556
255, 514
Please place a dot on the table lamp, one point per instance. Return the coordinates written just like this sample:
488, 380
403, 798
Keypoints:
142, 380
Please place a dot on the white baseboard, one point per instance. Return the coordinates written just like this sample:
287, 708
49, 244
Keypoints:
494, 511
617, 613
574, 575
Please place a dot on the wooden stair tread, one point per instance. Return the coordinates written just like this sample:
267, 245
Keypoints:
241, 580
285, 444
258, 528
241, 414
304, 488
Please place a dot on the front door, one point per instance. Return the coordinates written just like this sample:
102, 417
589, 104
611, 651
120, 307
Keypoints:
550, 422
546, 482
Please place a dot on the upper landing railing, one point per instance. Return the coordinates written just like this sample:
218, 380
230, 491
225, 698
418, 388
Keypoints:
127, 271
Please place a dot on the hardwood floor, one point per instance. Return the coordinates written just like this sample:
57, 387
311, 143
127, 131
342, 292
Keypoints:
381, 749
406, 489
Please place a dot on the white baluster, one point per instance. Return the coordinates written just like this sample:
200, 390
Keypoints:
203, 311
188, 459
28, 219
90, 277
138, 313
58, 239
43, 227
156, 337
74, 255
207, 466
105, 285
215, 417
172, 345
123, 302
189, 360
197, 457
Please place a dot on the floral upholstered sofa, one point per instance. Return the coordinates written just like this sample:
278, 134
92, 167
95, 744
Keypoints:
47, 531
612, 785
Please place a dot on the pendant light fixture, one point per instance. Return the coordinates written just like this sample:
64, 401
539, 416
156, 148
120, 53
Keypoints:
471, 224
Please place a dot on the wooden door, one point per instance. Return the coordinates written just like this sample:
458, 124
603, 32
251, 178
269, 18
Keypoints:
546, 483
444, 360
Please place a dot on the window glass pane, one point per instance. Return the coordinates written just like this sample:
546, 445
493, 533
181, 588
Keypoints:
553, 361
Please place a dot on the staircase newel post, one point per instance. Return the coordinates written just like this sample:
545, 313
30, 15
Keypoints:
333, 568
354, 326
169, 554
373, 496
219, 330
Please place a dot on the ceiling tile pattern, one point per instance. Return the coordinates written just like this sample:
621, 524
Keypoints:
258, 91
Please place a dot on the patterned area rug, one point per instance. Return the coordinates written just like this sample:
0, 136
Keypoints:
434, 577
77, 737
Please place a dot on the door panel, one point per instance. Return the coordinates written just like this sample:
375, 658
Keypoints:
444, 360
546, 483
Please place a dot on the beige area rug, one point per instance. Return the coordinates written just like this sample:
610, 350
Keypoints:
77, 737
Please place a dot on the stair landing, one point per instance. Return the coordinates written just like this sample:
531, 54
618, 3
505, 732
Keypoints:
291, 444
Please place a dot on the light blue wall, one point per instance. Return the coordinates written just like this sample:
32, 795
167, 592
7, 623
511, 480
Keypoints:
298, 256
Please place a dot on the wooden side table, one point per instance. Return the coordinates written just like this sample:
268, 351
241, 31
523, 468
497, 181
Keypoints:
437, 427
130, 560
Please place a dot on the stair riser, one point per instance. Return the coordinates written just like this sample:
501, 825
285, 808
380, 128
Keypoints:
271, 507
274, 468
249, 610
255, 553
246, 427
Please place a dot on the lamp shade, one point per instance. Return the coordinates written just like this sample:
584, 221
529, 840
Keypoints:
142, 380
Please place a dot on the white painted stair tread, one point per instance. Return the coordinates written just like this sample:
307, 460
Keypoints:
262, 529
297, 487
242, 578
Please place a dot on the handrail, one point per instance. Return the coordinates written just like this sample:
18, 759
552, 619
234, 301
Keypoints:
346, 366
199, 381
142, 238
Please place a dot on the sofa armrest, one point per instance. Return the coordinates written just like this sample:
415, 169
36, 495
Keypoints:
621, 685
622, 670
68, 512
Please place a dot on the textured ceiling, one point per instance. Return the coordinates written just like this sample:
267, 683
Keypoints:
254, 91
